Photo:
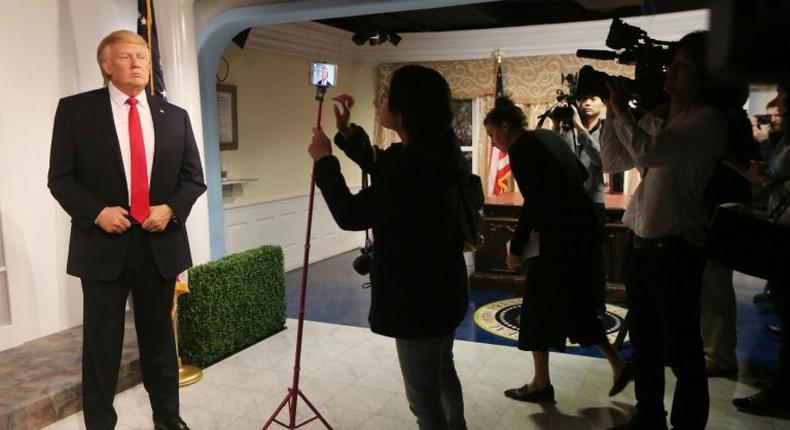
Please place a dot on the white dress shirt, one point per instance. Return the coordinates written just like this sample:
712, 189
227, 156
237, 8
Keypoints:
120, 115
675, 160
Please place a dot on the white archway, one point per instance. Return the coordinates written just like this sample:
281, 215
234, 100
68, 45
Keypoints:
215, 35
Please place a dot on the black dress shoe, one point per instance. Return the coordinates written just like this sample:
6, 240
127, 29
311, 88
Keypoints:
173, 424
544, 395
769, 402
626, 376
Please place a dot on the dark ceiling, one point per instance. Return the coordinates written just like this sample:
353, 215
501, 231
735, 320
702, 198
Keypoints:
511, 13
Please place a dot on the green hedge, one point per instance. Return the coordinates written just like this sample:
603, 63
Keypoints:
233, 303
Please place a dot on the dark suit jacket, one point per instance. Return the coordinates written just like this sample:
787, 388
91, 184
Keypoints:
86, 174
551, 178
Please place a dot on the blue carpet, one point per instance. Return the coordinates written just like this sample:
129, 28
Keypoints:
335, 295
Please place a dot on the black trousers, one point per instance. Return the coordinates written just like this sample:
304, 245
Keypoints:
104, 306
663, 288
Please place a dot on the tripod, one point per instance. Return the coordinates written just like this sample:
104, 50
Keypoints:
294, 393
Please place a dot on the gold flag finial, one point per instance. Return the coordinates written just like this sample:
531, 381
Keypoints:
498, 54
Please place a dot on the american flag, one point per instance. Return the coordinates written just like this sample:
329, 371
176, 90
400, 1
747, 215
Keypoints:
498, 161
146, 28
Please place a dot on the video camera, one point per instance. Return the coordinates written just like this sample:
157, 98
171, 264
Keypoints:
633, 47
562, 112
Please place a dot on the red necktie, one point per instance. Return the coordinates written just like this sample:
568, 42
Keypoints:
139, 205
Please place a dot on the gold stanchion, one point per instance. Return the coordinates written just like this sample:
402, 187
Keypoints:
187, 373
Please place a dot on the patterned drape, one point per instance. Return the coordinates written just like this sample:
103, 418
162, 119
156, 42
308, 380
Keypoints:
532, 83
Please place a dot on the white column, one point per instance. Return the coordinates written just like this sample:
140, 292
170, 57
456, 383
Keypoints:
176, 29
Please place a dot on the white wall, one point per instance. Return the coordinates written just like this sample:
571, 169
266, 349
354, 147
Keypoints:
49, 53
276, 112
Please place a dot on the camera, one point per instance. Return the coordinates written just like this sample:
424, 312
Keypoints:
763, 119
562, 112
633, 47
361, 264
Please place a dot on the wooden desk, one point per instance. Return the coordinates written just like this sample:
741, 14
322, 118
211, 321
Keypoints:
501, 215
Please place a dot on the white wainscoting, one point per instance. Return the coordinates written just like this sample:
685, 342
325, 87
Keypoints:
283, 222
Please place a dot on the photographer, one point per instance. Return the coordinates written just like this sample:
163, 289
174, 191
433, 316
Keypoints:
584, 142
774, 400
583, 138
769, 137
675, 147
418, 274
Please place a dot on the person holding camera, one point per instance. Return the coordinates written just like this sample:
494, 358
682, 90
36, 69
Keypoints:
675, 147
768, 137
582, 132
557, 213
418, 274
774, 399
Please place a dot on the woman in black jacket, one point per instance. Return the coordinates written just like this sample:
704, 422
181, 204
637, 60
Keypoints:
558, 220
418, 274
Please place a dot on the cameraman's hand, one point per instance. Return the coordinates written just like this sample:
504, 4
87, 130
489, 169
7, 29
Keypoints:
320, 146
343, 118
617, 103
760, 133
513, 261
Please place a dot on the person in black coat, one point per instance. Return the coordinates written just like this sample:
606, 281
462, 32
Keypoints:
558, 221
126, 169
418, 274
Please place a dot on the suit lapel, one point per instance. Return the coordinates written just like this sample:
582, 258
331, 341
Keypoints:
103, 108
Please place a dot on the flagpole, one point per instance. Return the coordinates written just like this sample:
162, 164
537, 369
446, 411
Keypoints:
149, 25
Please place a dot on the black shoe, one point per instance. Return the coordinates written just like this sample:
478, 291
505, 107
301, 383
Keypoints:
637, 424
769, 402
544, 395
775, 329
173, 424
626, 376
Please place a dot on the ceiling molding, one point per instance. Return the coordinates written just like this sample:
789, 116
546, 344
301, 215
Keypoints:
315, 41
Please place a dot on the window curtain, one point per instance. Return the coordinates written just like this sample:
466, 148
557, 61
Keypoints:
532, 82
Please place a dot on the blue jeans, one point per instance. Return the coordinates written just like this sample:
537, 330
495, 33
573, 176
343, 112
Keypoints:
432, 386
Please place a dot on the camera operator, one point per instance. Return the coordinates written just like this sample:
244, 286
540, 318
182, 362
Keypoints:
583, 139
675, 147
774, 400
769, 137
418, 273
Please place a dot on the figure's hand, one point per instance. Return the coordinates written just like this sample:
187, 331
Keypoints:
320, 146
616, 104
513, 261
158, 218
113, 219
343, 113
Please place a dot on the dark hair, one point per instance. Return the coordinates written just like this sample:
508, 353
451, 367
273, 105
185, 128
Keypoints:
695, 44
422, 97
505, 111
774, 103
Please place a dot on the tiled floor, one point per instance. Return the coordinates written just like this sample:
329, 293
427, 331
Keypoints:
352, 376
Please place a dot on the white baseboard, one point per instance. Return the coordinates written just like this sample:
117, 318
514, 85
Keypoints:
283, 222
